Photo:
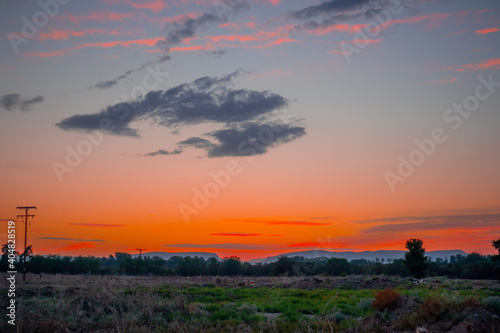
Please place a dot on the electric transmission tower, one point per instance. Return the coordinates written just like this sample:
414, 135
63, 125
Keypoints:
26, 216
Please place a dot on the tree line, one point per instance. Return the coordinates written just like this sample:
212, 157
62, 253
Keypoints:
415, 263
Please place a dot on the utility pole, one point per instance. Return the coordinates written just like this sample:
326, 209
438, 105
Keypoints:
25, 217
139, 263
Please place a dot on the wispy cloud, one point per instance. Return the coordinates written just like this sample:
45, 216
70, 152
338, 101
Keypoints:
487, 31
421, 223
360, 9
96, 16
164, 152
237, 234
100, 225
71, 239
447, 80
328, 7
284, 222
477, 66
78, 246
67, 33
457, 33
155, 6
323, 245
233, 246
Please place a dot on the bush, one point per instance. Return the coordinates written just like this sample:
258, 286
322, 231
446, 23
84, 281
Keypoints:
433, 307
337, 316
470, 302
247, 308
385, 299
365, 304
493, 302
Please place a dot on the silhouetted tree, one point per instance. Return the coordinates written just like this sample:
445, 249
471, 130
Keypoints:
231, 265
415, 260
125, 263
496, 257
212, 266
337, 266
496, 245
284, 266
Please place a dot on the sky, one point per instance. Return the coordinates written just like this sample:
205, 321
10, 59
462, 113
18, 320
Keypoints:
250, 127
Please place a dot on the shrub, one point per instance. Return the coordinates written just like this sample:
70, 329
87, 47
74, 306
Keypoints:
247, 308
470, 302
365, 304
433, 306
436, 305
337, 316
493, 302
385, 299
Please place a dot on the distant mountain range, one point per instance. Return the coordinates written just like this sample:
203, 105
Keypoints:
168, 255
368, 255
349, 255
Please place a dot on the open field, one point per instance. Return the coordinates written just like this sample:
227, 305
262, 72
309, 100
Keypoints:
69, 303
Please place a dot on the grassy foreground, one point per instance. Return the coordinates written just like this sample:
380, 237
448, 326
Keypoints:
65, 303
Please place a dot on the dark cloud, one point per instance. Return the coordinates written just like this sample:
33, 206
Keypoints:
248, 117
197, 142
110, 83
327, 7
252, 139
186, 28
335, 11
14, 102
113, 120
164, 152
72, 239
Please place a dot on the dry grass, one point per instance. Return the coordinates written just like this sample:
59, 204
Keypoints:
385, 299
105, 304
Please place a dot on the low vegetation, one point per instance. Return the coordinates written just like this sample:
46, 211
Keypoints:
472, 266
73, 303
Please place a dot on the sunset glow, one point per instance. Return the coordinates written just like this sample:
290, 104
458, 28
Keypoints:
252, 130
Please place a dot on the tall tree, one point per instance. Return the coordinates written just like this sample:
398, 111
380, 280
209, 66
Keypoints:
496, 245
415, 260
496, 258
231, 265
337, 266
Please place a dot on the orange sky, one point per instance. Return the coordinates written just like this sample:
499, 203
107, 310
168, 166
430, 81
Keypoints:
367, 131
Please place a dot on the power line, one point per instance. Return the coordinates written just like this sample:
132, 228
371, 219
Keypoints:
25, 216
